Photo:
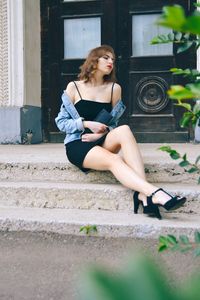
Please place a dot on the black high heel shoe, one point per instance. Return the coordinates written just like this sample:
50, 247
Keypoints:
152, 209
173, 203
136, 202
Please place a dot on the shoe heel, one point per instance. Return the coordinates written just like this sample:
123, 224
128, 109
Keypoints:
152, 209
136, 202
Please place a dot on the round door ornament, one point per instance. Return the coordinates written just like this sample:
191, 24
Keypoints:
151, 94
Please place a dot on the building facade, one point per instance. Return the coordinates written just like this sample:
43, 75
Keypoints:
43, 43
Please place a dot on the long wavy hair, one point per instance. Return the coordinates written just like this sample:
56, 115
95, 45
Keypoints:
89, 67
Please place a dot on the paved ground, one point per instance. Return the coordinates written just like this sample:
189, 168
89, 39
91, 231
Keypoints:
48, 266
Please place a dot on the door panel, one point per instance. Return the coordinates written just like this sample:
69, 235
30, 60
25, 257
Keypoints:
74, 27
92, 29
146, 76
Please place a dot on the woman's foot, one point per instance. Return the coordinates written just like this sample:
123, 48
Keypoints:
162, 198
143, 198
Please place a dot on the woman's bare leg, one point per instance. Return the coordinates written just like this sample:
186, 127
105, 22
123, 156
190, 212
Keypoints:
99, 158
122, 138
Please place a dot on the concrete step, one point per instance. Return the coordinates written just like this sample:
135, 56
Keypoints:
85, 196
109, 224
66, 172
48, 162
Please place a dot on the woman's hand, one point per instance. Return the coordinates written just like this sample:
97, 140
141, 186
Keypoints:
91, 137
95, 127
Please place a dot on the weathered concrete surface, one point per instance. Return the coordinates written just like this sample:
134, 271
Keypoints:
55, 153
48, 266
109, 223
85, 196
48, 161
109, 206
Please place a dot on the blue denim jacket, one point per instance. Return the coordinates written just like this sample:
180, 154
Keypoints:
70, 122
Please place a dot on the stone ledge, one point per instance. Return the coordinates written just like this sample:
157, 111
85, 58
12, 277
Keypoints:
85, 196
156, 172
109, 224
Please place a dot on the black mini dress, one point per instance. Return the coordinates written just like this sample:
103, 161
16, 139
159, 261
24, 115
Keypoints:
77, 150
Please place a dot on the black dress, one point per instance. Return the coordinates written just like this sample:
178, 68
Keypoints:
77, 150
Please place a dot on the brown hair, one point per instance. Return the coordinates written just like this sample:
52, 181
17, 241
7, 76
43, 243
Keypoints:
89, 66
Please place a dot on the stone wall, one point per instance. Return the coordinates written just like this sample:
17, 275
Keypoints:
4, 92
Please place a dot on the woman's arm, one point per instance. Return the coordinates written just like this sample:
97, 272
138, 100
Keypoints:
66, 124
71, 91
117, 94
64, 120
118, 106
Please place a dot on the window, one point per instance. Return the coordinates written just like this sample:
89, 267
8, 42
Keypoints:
143, 30
81, 35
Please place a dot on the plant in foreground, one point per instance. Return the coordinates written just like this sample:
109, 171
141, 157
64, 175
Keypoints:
182, 244
184, 163
186, 34
141, 279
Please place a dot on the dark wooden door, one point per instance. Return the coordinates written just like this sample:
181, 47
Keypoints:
74, 27
144, 72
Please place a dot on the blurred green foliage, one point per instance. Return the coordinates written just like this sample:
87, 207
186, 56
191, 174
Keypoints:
183, 244
141, 279
186, 34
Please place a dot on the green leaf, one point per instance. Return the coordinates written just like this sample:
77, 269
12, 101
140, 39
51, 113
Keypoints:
161, 248
192, 170
172, 239
185, 105
185, 46
177, 71
185, 156
184, 163
185, 121
194, 88
88, 229
179, 92
174, 154
184, 239
192, 24
196, 4
197, 251
178, 36
197, 160
165, 148
163, 239
162, 39
197, 237
82, 228
173, 17
170, 36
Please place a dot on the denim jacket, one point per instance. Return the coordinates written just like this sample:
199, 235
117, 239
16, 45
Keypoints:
70, 122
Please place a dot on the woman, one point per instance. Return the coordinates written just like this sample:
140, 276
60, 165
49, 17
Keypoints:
91, 144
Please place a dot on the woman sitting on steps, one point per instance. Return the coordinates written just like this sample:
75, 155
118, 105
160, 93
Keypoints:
93, 143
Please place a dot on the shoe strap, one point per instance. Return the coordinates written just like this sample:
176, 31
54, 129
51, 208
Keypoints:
161, 191
156, 192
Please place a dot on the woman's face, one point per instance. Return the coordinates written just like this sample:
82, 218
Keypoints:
105, 63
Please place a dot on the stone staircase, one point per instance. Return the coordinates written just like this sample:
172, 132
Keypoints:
41, 191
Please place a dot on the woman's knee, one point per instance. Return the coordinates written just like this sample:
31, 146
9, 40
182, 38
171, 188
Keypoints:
123, 131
